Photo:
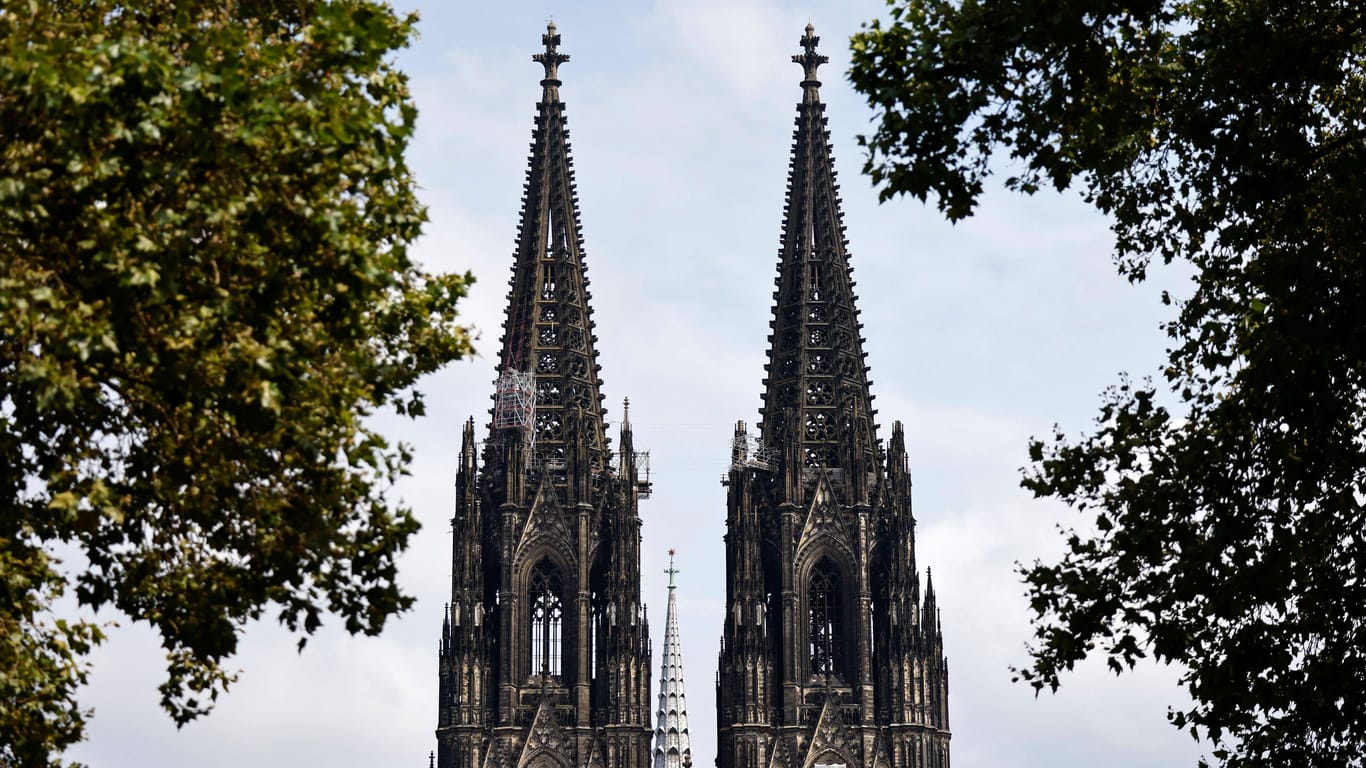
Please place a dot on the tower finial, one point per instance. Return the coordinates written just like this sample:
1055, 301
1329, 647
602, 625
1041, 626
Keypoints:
671, 569
551, 59
810, 60
626, 411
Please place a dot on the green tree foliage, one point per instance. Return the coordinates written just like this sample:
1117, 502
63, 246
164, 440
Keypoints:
205, 289
1228, 531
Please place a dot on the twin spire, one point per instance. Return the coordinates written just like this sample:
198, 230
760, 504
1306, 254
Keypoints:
816, 402
816, 397
548, 415
548, 348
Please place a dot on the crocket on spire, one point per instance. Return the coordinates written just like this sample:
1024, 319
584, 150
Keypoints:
824, 655
816, 392
548, 333
546, 639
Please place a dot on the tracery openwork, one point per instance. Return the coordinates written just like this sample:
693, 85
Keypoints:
825, 601
544, 590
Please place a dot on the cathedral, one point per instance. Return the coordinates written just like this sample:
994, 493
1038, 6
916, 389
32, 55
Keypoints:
831, 652
545, 649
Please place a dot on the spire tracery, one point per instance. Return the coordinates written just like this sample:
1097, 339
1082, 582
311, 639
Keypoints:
546, 644
816, 393
549, 362
830, 653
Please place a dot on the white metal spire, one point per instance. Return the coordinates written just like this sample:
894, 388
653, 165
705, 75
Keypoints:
672, 749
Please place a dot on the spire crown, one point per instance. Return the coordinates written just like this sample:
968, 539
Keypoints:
551, 59
671, 570
809, 59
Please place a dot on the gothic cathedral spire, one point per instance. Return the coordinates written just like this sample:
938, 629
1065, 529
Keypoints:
548, 332
673, 748
827, 656
544, 655
816, 400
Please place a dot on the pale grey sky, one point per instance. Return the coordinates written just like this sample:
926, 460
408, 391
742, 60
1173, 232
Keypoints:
979, 335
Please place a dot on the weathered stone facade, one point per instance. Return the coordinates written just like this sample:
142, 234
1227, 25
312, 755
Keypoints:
831, 653
545, 650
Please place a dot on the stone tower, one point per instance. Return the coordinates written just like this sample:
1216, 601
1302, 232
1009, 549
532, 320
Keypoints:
672, 746
831, 654
545, 650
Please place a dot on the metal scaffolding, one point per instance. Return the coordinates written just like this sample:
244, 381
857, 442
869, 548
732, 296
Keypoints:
514, 400
752, 452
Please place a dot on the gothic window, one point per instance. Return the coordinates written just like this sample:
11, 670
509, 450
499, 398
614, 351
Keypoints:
848, 367
549, 425
819, 426
550, 453
819, 393
578, 366
547, 393
547, 617
819, 456
580, 396
547, 283
825, 600
815, 292
597, 626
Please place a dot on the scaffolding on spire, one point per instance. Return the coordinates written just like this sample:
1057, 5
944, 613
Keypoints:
749, 451
514, 401
643, 484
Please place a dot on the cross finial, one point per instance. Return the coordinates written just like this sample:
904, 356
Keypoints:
671, 569
810, 60
551, 59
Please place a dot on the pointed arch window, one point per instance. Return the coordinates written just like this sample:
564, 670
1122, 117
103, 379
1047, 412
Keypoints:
825, 600
544, 590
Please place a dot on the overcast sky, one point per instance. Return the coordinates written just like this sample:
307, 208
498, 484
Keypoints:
681, 113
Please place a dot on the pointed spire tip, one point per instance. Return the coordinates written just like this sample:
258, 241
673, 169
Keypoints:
671, 570
809, 59
551, 59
